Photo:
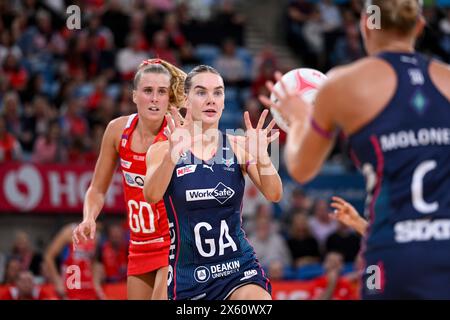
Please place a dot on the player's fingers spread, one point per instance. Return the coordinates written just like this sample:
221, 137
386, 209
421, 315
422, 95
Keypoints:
248, 123
336, 205
170, 123
278, 77
262, 119
267, 102
271, 125
339, 200
274, 137
278, 95
188, 117
175, 117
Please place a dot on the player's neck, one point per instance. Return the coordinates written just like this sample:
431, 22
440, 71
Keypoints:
392, 45
148, 129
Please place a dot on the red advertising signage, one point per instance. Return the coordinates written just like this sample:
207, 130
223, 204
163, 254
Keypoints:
27, 187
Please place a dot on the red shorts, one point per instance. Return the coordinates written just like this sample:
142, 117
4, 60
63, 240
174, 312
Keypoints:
144, 258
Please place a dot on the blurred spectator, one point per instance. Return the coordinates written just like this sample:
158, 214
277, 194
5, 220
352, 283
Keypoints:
94, 99
125, 101
331, 24
113, 254
332, 286
175, 35
137, 24
320, 223
313, 33
298, 13
48, 147
73, 123
269, 245
10, 149
12, 269
230, 66
200, 9
266, 71
11, 108
344, 241
299, 200
303, 247
160, 47
22, 250
130, 57
187, 57
116, 19
230, 22
444, 27
262, 209
25, 289
352, 41
162, 5
17, 75
8, 47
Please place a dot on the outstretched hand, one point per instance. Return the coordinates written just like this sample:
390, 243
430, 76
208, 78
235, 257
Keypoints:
257, 139
179, 132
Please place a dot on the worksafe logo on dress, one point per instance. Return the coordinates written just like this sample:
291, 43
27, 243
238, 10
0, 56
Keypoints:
221, 193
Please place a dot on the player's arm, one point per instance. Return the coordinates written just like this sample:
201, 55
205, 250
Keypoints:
311, 139
159, 171
103, 174
53, 250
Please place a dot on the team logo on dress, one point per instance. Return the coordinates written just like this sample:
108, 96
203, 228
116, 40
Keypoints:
186, 170
201, 274
228, 162
124, 142
221, 193
125, 164
134, 180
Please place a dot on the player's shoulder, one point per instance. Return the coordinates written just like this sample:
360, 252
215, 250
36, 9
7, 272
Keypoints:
360, 69
440, 68
350, 82
118, 123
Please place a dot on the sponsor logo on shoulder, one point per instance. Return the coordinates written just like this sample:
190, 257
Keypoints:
125, 164
221, 193
249, 274
133, 179
186, 170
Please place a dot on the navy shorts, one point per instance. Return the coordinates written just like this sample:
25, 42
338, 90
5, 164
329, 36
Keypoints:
207, 285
